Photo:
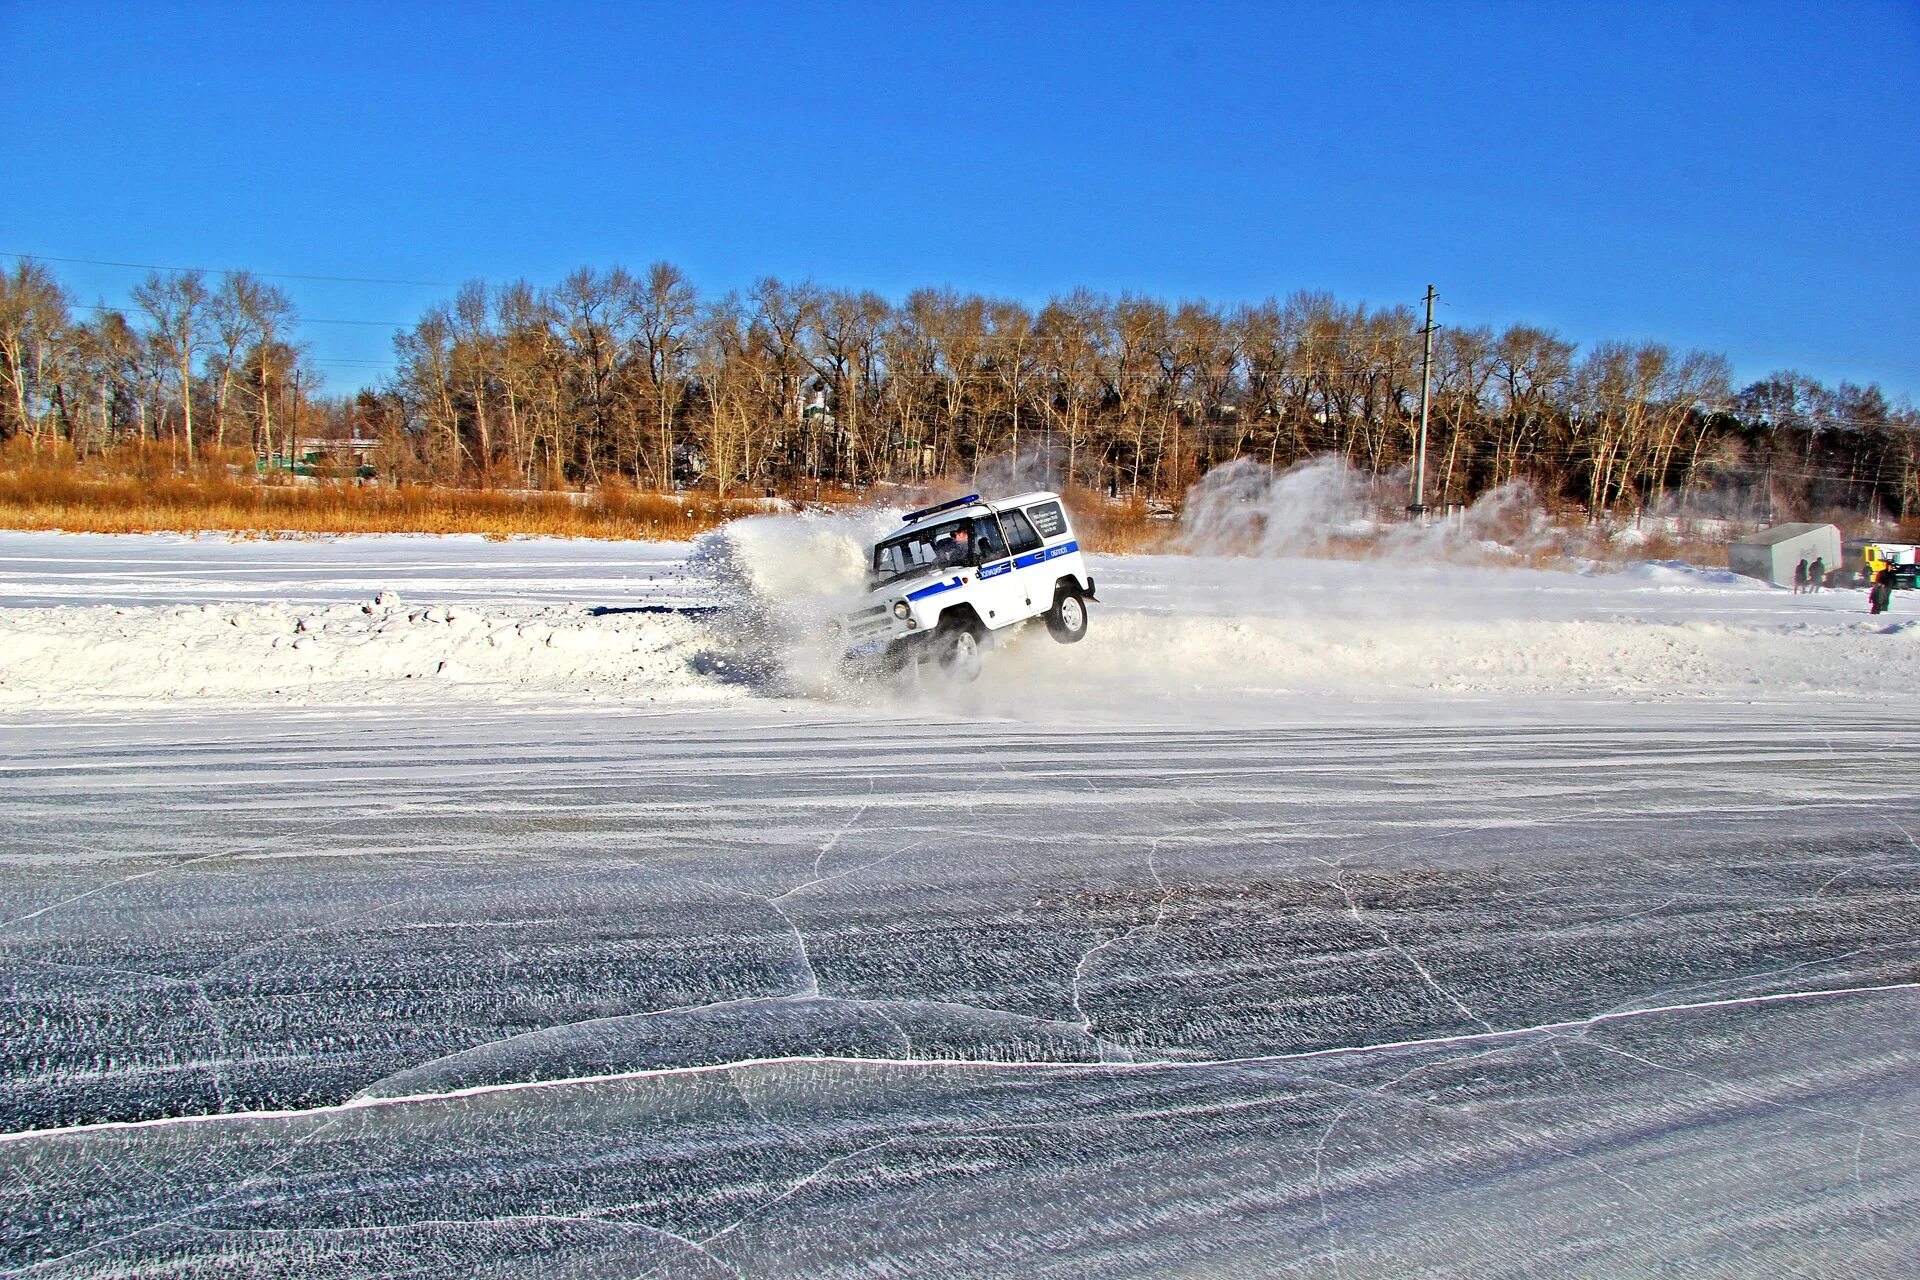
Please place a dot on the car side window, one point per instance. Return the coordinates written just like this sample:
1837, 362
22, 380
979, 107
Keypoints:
986, 537
1020, 535
1049, 519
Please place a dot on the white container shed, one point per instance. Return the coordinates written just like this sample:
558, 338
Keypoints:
1771, 554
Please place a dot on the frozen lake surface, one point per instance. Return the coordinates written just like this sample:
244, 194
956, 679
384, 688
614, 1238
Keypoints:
1474, 922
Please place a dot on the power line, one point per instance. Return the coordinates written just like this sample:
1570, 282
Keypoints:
268, 275
297, 319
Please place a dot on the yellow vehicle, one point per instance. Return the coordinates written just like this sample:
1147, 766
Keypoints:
1863, 559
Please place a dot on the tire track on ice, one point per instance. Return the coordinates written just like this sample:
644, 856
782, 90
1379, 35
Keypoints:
1561, 1027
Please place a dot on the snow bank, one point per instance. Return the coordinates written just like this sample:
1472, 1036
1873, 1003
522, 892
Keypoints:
1139, 660
1191, 636
284, 653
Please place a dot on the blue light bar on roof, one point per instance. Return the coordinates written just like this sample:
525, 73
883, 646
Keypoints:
911, 516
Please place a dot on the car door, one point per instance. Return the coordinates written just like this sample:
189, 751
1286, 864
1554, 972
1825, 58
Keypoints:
1030, 590
996, 593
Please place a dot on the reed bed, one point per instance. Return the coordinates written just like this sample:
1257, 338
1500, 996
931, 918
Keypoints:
154, 490
136, 493
1120, 526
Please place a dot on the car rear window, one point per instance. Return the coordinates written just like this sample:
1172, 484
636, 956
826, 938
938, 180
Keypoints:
1048, 519
1020, 534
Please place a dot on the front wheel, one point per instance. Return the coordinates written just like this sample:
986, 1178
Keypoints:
1067, 620
957, 648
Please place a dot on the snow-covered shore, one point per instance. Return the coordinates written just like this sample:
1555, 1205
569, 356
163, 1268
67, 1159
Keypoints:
91, 621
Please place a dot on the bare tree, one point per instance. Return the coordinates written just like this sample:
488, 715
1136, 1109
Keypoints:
238, 311
425, 382
666, 312
178, 304
1463, 367
782, 315
1069, 332
846, 356
529, 373
596, 312
1533, 369
100, 372
33, 320
1134, 374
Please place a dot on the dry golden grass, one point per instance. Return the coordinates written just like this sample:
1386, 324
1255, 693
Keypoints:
151, 489
1118, 526
143, 491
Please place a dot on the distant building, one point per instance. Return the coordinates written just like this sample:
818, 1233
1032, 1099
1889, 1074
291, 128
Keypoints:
1771, 554
314, 454
334, 448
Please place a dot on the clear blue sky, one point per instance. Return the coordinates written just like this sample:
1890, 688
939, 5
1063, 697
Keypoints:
1739, 177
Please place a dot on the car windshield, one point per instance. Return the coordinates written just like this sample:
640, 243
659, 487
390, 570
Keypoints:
933, 547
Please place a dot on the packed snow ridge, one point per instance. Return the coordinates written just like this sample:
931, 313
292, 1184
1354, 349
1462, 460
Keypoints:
735, 617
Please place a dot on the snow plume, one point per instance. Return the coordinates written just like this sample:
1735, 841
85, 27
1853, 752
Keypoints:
789, 560
778, 580
1034, 466
1503, 523
1243, 508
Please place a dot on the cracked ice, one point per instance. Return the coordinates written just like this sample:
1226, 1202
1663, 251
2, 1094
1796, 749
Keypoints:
1242, 982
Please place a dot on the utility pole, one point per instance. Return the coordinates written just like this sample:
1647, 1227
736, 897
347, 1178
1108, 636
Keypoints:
1419, 505
293, 428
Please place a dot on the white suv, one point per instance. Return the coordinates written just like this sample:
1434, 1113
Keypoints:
964, 570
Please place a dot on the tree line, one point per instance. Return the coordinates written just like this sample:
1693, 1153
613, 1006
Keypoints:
637, 378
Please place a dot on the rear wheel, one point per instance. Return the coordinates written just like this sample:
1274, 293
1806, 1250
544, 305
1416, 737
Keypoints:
956, 647
1067, 620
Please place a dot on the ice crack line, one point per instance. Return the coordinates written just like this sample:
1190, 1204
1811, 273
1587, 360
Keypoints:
1361, 1096
1387, 1091
1077, 992
1747, 1095
1386, 939
1815, 963
216, 1025
842, 875
1570, 1025
171, 866
810, 980
829, 1166
812, 983
115, 884
1908, 834
837, 836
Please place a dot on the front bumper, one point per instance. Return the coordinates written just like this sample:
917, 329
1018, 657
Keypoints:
875, 629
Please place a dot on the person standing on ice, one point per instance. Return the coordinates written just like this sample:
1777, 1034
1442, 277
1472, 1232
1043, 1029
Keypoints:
1816, 574
1800, 576
1880, 594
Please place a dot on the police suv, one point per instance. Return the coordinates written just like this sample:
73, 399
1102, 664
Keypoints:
963, 571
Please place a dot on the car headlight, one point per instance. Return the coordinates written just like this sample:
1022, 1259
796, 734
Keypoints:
902, 610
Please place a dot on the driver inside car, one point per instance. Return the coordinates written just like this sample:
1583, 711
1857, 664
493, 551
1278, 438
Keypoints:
958, 549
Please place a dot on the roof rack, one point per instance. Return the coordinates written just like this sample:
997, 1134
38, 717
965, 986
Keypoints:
911, 516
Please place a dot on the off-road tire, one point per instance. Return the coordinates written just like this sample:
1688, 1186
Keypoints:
958, 648
1067, 620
